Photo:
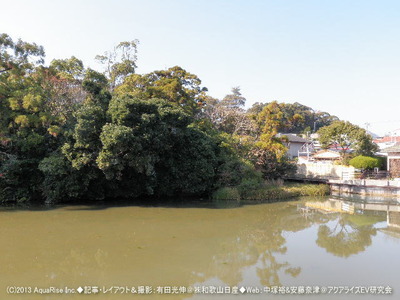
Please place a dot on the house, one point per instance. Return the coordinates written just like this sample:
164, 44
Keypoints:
387, 141
321, 165
393, 160
326, 155
293, 143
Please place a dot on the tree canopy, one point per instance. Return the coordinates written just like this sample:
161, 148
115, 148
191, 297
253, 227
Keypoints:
297, 118
343, 136
69, 133
175, 85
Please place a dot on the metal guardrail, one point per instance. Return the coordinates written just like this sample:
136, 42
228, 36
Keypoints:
368, 174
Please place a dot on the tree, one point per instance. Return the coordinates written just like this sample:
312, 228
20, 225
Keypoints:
84, 145
71, 68
150, 149
270, 166
365, 145
227, 115
19, 57
270, 120
27, 125
63, 182
269, 153
17, 61
174, 85
70, 171
120, 62
235, 99
343, 136
62, 82
297, 118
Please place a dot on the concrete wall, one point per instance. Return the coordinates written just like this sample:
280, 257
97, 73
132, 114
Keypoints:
387, 188
393, 219
326, 170
368, 182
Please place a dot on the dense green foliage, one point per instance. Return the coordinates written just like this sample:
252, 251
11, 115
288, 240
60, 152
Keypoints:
365, 162
227, 193
343, 135
175, 85
69, 133
297, 118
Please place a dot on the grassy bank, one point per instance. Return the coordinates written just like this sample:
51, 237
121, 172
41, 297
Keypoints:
270, 192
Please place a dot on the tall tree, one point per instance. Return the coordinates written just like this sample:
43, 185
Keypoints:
149, 149
120, 62
71, 172
235, 99
297, 118
269, 152
344, 136
227, 115
71, 68
26, 122
175, 85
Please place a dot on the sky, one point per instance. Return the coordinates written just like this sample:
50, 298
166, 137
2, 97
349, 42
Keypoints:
341, 57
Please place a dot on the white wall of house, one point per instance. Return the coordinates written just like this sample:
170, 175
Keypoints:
293, 149
325, 170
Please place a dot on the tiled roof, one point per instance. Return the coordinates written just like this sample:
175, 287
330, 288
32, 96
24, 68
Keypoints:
327, 154
387, 139
395, 148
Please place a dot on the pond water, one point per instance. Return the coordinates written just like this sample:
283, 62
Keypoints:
307, 246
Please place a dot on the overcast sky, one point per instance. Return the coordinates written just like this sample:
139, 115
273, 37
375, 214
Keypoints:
340, 56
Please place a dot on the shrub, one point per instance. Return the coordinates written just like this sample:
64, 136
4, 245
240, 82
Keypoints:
226, 193
308, 190
234, 171
275, 192
271, 166
365, 162
248, 185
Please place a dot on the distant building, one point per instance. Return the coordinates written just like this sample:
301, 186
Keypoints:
387, 141
326, 155
294, 143
390, 140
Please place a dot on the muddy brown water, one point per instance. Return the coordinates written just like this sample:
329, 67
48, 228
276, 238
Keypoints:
197, 252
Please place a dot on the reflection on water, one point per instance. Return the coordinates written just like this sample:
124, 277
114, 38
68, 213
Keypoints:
355, 223
350, 231
307, 242
345, 239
